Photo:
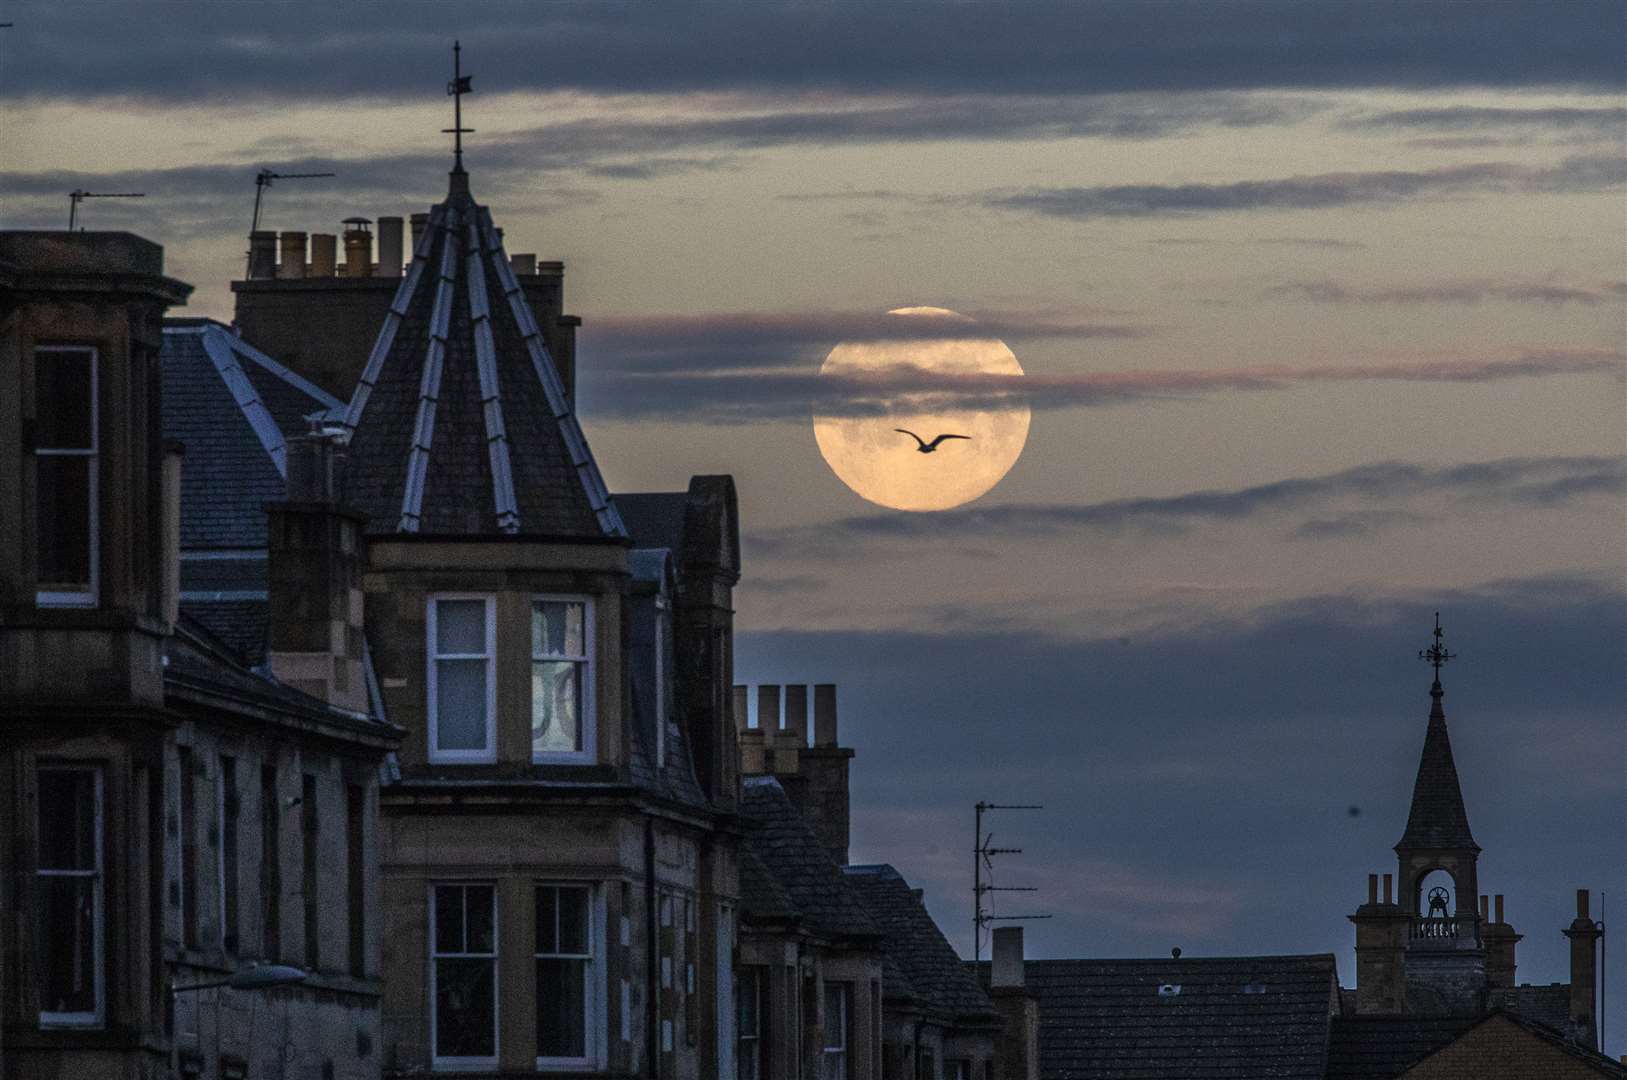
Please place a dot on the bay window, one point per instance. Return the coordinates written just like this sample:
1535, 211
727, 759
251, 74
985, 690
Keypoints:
570, 1012
65, 475
462, 685
69, 900
463, 974
562, 714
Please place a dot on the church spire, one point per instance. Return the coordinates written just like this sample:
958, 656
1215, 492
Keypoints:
1437, 820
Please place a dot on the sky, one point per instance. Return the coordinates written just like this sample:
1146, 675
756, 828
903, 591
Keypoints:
1321, 308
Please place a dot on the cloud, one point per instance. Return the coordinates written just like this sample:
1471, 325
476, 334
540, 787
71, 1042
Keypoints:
1600, 122
1459, 291
187, 52
700, 385
1315, 192
1511, 482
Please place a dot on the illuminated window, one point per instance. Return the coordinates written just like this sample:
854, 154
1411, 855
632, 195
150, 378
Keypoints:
562, 679
65, 475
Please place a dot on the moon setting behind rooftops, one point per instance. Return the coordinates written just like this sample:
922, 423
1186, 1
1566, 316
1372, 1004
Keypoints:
883, 465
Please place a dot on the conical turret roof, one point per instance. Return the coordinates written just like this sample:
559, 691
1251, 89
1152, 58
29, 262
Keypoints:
1437, 820
460, 424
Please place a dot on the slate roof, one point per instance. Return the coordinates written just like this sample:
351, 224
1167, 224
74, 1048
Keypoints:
460, 424
937, 979
233, 407
775, 833
1233, 1018
1437, 819
1550, 1004
1380, 1047
654, 519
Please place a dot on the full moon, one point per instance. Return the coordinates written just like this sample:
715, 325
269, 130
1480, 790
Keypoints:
888, 468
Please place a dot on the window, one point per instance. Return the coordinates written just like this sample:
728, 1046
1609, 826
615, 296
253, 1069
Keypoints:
226, 814
186, 784
69, 896
660, 682
562, 679
270, 866
65, 475
959, 1069
309, 824
567, 1009
752, 1014
462, 687
355, 885
463, 974
838, 1029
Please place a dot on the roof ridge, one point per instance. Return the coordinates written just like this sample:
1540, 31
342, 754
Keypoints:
246, 396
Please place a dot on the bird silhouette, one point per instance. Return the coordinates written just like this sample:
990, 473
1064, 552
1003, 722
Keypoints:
927, 447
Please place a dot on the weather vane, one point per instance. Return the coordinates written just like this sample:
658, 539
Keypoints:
455, 90
1436, 654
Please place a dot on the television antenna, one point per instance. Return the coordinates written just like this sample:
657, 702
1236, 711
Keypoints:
79, 195
983, 853
263, 180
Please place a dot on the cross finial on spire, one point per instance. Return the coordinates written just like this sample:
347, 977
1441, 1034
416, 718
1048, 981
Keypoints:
455, 90
1436, 654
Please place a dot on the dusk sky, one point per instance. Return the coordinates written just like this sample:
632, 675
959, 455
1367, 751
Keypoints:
1323, 314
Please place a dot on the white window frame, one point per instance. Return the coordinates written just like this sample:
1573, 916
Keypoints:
96, 1018
589, 752
453, 1064
89, 597
596, 1013
487, 756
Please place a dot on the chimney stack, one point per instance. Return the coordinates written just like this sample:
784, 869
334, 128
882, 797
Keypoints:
324, 255
389, 264
314, 630
1016, 1047
1381, 942
1584, 936
262, 254
293, 255
1500, 939
358, 247
824, 767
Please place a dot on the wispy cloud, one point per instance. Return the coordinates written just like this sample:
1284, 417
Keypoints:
1379, 490
1314, 192
1459, 291
1600, 122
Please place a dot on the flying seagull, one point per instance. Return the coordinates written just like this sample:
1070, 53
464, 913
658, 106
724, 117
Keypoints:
927, 447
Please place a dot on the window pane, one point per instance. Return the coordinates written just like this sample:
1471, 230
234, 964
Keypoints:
67, 931
449, 919
63, 511
464, 1008
460, 626
460, 704
556, 629
573, 920
556, 706
561, 1008
62, 400
67, 819
547, 919
482, 931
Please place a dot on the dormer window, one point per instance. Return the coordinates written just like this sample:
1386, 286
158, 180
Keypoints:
562, 714
65, 475
462, 680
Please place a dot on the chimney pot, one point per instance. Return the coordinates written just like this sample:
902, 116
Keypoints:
324, 255
293, 255
524, 265
1485, 909
825, 732
1581, 904
358, 247
796, 713
742, 712
389, 262
1372, 888
768, 709
420, 222
1006, 963
262, 254
1499, 903
1387, 894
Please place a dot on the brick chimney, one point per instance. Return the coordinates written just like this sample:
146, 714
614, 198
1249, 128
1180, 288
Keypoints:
314, 632
1584, 936
1500, 939
1381, 942
824, 768
1016, 1047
